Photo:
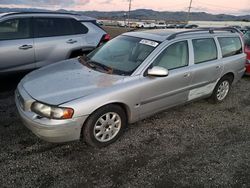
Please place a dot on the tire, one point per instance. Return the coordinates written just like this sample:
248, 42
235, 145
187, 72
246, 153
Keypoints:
100, 132
222, 89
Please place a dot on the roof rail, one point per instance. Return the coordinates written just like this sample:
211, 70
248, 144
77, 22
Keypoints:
209, 29
42, 12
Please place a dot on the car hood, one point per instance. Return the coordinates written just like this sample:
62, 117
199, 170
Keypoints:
65, 81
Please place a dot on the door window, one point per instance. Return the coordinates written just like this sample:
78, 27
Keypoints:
15, 29
174, 56
230, 46
204, 50
49, 27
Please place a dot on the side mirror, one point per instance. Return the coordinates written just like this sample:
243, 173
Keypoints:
158, 72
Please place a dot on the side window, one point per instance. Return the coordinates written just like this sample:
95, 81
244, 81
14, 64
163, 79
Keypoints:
174, 56
78, 27
49, 27
230, 46
15, 29
204, 50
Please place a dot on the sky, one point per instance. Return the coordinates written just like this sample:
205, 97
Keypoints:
236, 7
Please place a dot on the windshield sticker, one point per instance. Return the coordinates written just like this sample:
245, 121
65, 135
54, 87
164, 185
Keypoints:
149, 42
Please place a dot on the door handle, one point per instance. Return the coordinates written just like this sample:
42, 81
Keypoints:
186, 75
71, 41
218, 67
25, 47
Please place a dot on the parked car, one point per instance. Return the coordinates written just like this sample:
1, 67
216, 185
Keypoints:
191, 26
131, 24
246, 37
131, 77
160, 25
171, 26
32, 40
180, 26
145, 25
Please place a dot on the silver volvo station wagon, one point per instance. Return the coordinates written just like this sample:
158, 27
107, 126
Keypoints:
129, 78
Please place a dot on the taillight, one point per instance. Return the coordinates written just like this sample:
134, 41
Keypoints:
105, 38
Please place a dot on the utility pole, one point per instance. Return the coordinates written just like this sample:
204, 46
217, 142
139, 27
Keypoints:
189, 10
129, 10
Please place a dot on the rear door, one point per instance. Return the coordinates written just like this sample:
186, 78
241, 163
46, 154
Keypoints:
206, 68
16, 44
55, 39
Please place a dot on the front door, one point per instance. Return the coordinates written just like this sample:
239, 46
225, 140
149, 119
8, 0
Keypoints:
16, 45
158, 93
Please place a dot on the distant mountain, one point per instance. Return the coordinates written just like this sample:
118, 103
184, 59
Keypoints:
146, 14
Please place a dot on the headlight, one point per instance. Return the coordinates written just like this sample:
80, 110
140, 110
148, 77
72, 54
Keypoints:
52, 112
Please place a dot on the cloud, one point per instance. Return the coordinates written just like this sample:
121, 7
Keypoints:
244, 11
106, 1
45, 3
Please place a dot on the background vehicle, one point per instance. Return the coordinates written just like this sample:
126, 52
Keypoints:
31, 40
191, 26
171, 26
130, 78
161, 25
145, 25
246, 37
180, 26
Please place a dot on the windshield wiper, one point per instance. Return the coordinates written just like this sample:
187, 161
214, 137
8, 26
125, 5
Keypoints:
102, 66
94, 65
84, 60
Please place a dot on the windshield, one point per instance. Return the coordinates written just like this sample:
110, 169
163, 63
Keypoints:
123, 54
247, 38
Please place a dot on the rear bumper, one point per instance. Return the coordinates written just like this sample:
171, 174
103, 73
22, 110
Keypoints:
51, 130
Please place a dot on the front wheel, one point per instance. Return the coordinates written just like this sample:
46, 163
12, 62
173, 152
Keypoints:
222, 89
105, 126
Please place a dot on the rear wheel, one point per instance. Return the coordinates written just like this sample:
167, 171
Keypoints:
105, 126
222, 89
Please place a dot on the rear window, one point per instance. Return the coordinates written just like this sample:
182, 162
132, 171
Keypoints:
78, 27
204, 50
230, 46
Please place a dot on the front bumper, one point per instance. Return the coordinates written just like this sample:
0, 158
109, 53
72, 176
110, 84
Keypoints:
48, 129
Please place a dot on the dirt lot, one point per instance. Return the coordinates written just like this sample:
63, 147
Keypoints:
196, 145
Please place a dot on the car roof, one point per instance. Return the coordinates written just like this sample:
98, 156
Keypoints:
49, 14
161, 35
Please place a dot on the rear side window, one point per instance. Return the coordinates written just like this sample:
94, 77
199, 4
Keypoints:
78, 27
174, 56
49, 27
15, 29
230, 46
204, 50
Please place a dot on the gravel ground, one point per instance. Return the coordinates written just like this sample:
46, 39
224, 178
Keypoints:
196, 145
